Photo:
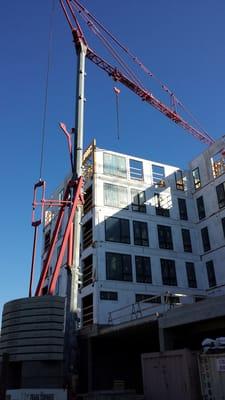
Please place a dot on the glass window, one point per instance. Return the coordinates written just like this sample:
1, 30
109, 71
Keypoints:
182, 209
108, 295
220, 190
88, 202
136, 170
87, 270
211, 273
158, 175
218, 163
115, 196
191, 277
140, 233
186, 240
160, 208
168, 271
165, 237
223, 225
196, 178
147, 298
143, 269
118, 267
200, 207
117, 230
179, 180
87, 234
114, 165
138, 201
205, 239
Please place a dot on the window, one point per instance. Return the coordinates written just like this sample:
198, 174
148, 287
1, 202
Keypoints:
47, 240
191, 277
182, 209
118, 267
196, 178
87, 234
138, 201
88, 200
211, 273
179, 180
158, 175
143, 269
136, 170
117, 230
87, 270
140, 233
220, 190
205, 239
223, 225
186, 240
160, 208
114, 165
165, 237
168, 271
218, 164
201, 207
87, 310
108, 295
147, 298
115, 196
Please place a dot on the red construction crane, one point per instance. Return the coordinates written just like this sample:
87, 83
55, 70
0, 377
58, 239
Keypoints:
73, 194
131, 81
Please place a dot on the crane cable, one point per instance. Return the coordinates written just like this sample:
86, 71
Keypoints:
43, 130
85, 13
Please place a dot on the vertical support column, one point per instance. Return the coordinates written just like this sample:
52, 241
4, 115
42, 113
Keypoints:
70, 345
78, 156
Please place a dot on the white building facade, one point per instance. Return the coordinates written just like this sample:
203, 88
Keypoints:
148, 229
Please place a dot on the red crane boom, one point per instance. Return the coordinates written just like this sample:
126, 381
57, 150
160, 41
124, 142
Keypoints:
119, 76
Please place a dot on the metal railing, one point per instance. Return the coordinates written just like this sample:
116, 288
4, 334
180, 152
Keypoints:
150, 307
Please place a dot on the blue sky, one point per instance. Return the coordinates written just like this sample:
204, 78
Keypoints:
182, 42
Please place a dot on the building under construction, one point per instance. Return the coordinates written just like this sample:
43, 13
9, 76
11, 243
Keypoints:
132, 262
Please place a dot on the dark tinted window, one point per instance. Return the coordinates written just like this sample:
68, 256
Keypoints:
205, 239
118, 267
191, 277
117, 230
168, 272
140, 233
165, 237
201, 207
108, 295
223, 225
138, 201
182, 209
143, 269
220, 190
211, 273
147, 298
186, 240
